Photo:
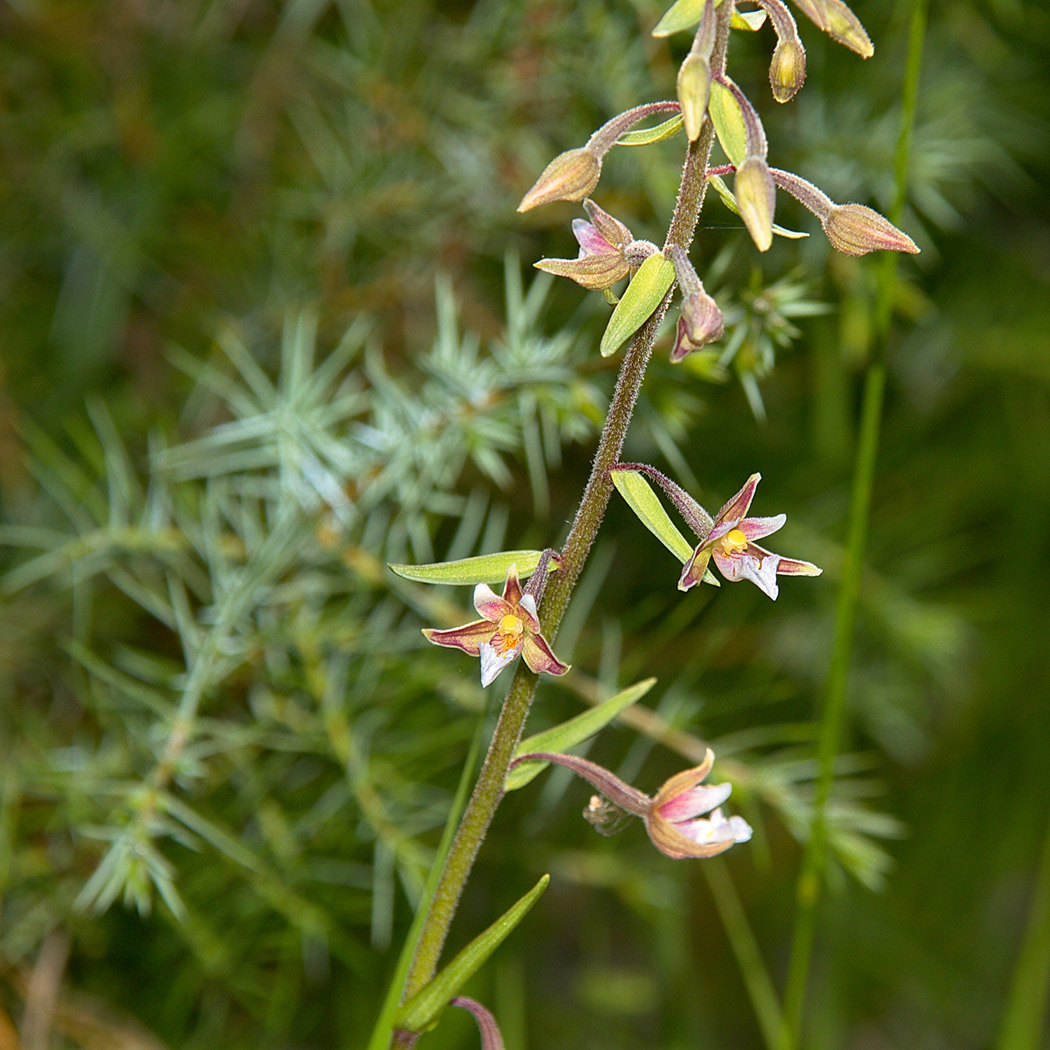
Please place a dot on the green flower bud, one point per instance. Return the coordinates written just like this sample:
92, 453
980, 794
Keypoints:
571, 176
694, 90
787, 71
856, 229
756, 197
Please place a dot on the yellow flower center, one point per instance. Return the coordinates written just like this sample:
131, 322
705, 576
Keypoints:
734, 541
511, 629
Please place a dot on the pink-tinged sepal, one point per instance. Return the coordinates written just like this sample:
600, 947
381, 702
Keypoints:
740, 504
792, 567
694, 569
512, 588
468, 637
539, 656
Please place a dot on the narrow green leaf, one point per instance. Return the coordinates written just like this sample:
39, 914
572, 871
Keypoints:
485, 568
641, 297
422, 1011
573, 732
728, 119
729, 200
384, 1026
647, 136
643, 501
685, 14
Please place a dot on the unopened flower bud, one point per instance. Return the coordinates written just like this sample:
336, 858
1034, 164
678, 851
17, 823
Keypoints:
839, 22
856, 229
845, 27
701, 322
571, 176
787, 71
694, 91
756, 198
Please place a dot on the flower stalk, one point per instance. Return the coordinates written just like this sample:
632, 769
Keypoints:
488, 791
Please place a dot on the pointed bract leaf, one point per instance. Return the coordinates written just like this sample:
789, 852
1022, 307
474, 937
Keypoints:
573, 732
682, 15
485, 568
641, 297
647, 136
728, 119
751, 21
421, 1012
726, 194
643, 501
685, 14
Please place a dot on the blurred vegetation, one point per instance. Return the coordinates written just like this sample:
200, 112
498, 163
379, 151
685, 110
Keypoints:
266, 325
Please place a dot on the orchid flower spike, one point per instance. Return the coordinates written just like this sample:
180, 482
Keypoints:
510, 626
731, 544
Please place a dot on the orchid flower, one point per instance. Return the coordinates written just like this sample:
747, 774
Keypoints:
676, 822
510, 626
730, 543
674, 816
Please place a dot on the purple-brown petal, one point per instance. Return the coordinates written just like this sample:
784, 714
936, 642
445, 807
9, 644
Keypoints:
538, 655
512, 588
739, 505
468, 637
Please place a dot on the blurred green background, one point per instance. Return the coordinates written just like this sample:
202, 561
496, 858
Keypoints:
268, 322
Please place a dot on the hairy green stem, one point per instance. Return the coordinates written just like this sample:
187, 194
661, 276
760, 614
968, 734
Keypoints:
833, 719
488, 792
